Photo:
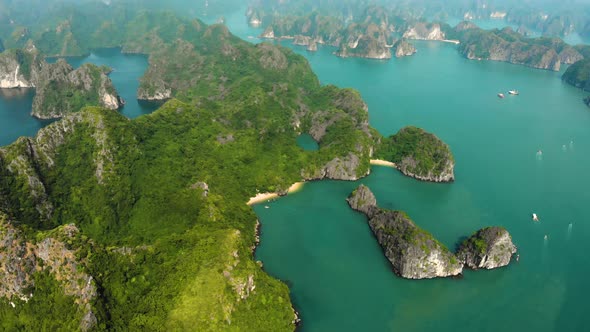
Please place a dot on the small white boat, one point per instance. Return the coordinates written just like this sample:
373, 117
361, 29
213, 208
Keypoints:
513, 92
500, 95
267, 207
535, 218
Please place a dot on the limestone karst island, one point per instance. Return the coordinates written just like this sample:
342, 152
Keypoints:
294, 165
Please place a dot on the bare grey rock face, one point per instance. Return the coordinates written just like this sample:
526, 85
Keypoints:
408, 164
425, 31
488, 248
60, 89
416, 254
403, 48
20, 259
363, 200
412, 252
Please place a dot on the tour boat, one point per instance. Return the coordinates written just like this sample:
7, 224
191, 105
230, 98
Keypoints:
513, 92
501, 95
535, 218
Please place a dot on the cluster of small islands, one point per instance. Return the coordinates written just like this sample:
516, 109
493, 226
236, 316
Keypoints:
102, 216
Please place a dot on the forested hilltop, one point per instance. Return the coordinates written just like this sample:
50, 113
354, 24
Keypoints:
548, 18
373, 30
112, 224
60, 89
73, 28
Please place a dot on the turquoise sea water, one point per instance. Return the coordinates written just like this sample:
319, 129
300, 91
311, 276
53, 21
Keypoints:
15, 115
127, 69
306, 142
339, 278
15, 104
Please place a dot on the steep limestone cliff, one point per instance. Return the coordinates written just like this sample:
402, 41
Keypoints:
488, 248
510, 46
403, 48
26, 163
62, 90
416, 254
412, 252
15, 69
578, 75
425, 31
365, 41
59, 88
254, 17
22, 259
347, 157
418, 154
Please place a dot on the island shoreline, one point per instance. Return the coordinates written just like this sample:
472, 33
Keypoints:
380, 162
261, 197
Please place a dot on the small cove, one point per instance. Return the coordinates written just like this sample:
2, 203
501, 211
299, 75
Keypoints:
307, 143
326, 253
16, 104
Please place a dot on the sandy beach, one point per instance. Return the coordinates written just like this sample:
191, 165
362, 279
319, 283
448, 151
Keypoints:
263, 197
385, 163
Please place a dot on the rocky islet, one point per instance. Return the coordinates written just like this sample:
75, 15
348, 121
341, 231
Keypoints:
416, 254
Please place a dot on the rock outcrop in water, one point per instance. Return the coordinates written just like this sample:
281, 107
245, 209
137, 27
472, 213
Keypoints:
510, 46
578, 75
416, 254
254, 17
488, 248
425, 31
412, 252
363, 200
403, 48
369, 38
15, 69
365, 41
60, 89
418, 154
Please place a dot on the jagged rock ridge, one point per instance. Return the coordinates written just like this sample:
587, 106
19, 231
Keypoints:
488, 248
412, 252
416, 254
60, 89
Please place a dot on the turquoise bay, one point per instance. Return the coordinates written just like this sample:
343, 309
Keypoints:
339, 278
15, 104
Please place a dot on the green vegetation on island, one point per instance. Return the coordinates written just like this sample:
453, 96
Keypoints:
370, 31
160, 251
418, 154
545, 17
108, 223
510, 46
488, 248
578, 75
413, 252
60, 89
